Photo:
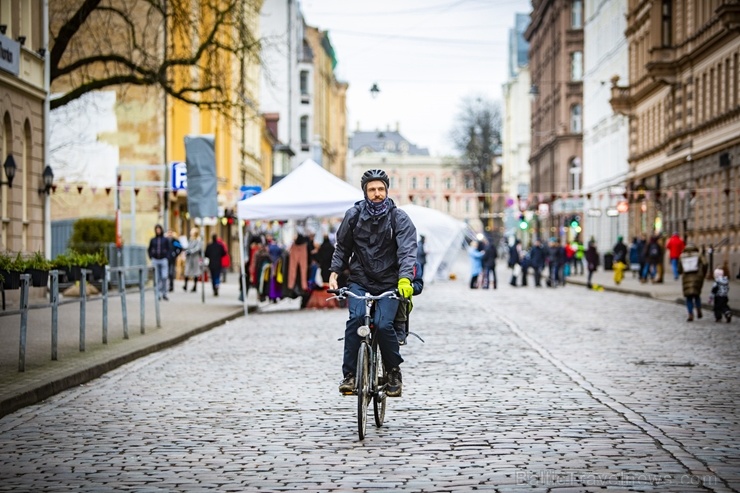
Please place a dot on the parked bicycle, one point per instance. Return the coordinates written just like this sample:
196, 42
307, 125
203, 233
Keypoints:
370, 378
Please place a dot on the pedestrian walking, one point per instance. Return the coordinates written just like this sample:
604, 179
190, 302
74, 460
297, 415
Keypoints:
653, 254
159, 253
693, 268
421, 252
635, 254
215, 253
620, 260
675, 246
475, 252
175, 251
225, 261
720, 296
514, 261
592, 261
537, 258
193, 261
489, 265
578, 256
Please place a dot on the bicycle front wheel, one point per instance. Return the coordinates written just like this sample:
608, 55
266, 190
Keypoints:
380, 380
363, 387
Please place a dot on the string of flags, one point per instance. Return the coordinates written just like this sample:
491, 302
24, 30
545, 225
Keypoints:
539, 196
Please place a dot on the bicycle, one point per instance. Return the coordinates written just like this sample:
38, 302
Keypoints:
371, 376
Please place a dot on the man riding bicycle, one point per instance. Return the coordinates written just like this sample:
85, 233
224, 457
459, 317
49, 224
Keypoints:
377, 242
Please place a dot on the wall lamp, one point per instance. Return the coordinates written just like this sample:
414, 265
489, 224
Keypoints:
10, 168
3, 28
21, 40
374, 90
48, 177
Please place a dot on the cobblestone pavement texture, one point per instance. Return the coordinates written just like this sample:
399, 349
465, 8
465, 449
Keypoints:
516, 389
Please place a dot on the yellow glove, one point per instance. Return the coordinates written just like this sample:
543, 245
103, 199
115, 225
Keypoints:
404, 287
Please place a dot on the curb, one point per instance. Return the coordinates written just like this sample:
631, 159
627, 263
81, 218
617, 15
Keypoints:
84, 375
679, 301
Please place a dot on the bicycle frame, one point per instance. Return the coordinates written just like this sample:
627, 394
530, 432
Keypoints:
370, 382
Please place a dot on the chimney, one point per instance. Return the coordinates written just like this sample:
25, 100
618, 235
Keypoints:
398, 127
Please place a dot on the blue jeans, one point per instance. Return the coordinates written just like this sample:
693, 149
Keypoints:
692, 301
161, 266
385, 313
674, 264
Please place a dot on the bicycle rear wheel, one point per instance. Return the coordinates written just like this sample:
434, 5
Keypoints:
363, 387
380, 380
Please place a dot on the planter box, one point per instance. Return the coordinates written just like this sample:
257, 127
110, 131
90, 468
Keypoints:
12, 280
39, 278
98, 271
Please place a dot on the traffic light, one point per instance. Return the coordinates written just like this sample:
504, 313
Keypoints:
575, 223
522, 222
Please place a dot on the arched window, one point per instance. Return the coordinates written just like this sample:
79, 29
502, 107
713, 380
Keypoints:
576, 119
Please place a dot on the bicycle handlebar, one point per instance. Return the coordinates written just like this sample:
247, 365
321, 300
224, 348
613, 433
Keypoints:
343, 292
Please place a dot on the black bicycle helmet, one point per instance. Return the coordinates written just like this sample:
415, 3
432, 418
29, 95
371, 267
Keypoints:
373, 175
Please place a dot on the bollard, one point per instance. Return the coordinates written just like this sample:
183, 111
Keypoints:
122, 288
142, 300
156, 300
25, 283
54, 313
83, 307
105, 303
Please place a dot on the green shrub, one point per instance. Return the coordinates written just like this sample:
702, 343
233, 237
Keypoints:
38, 261
90, 234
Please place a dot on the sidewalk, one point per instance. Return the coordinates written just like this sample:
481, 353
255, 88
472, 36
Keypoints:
182, 317
668, 290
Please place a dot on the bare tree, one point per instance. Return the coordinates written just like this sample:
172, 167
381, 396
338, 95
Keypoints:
477, 136
98, 44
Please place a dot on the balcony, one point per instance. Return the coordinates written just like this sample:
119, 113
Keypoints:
621, 100
662, 66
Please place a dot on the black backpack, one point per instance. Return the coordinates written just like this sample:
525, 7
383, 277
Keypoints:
653, 251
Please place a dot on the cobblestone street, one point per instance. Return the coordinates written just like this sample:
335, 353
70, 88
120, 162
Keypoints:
517, 389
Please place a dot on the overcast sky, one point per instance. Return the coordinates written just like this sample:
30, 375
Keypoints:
425, 56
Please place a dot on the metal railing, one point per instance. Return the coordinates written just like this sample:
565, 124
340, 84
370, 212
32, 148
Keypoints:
104, 297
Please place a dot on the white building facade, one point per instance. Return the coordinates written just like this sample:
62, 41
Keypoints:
287, 78
605, 133
516, 128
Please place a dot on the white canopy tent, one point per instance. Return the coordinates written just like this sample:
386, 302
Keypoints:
443, 237
307, 191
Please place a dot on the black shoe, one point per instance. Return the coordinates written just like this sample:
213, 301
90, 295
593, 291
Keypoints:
728, 317
348, 385
395, 383
165, 298
698, 313
185, 287
194, 290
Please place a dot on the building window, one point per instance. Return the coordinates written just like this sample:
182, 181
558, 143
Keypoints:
448, 183
576, 66
414, 183
392, 182
304, 133
575, 174
666, 34
576, 119
468, 183
427, 182
576, 14
304, 82
427, 203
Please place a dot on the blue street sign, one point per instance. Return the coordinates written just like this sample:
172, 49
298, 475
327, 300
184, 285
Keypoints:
247, 191
179, 176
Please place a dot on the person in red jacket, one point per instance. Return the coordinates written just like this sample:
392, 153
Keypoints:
675, 246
